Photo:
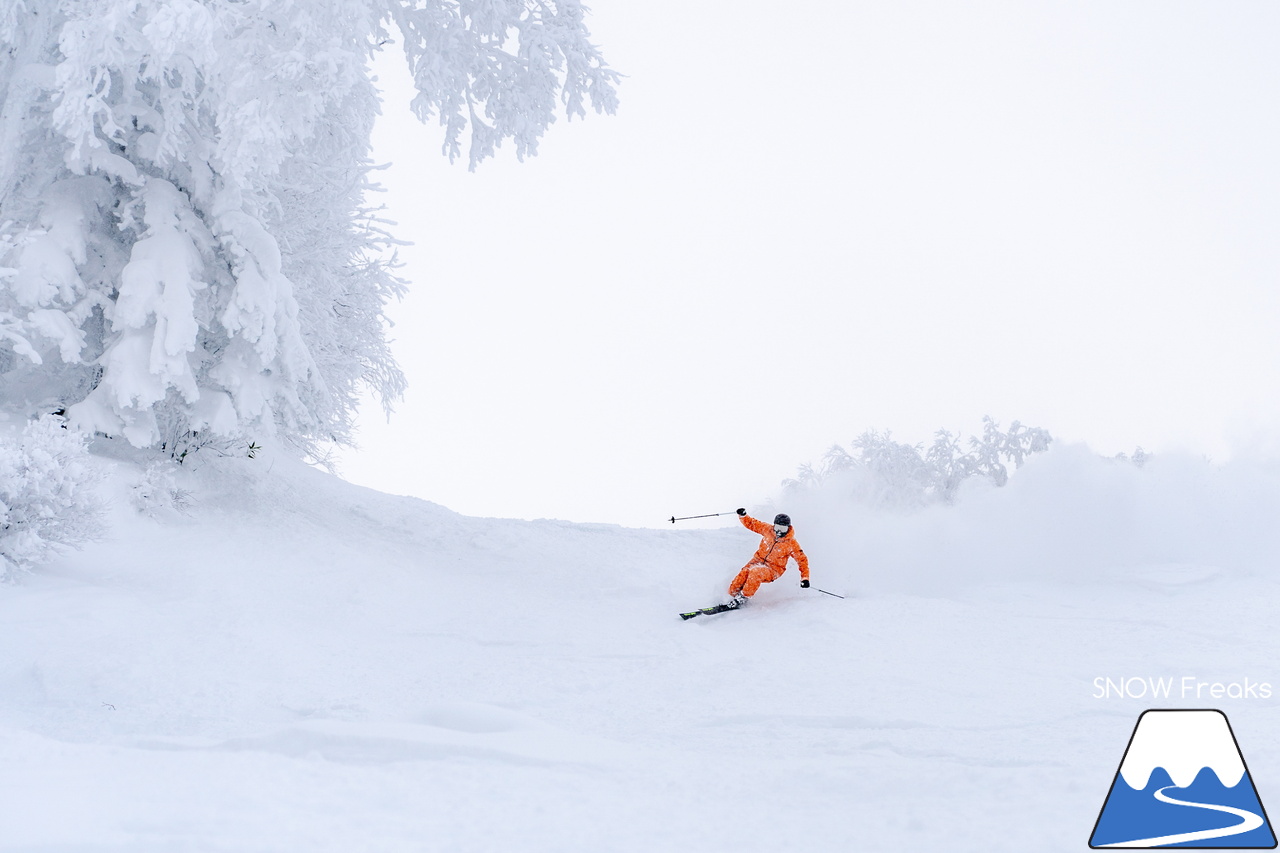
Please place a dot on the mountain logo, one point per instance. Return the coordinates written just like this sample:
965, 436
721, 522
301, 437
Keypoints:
1183, 783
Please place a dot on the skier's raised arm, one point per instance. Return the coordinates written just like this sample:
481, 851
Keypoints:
755, 525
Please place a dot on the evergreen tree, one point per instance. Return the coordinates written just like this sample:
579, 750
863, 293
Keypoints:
186, 249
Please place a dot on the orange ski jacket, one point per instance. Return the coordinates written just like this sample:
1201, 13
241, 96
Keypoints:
774, 550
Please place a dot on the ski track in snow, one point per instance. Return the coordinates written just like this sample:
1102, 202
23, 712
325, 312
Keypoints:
1248, 822
302, 664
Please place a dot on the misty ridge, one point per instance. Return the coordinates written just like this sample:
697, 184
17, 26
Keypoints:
957, 512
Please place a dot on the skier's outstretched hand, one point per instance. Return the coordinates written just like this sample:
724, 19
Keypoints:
741, 511
804, 584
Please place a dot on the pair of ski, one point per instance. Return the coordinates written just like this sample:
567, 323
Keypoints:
721, 608
708, 611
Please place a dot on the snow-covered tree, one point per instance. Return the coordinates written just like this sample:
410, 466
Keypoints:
47, 497
186, 249
884, 472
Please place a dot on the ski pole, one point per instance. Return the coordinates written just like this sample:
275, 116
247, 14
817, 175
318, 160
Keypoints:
829, 593
712, 515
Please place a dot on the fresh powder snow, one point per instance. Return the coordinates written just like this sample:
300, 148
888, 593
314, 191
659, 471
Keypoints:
281, 661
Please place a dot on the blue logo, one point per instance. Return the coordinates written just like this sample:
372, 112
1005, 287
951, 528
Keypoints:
1183, 783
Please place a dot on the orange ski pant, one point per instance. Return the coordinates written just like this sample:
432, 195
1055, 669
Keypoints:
749, 579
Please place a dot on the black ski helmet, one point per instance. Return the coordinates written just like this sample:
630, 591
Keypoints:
783, 519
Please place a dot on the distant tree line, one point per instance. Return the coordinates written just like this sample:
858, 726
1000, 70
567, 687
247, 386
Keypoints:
877, 470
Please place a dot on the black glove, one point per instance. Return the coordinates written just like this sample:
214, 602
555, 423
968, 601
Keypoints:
741, 511
804, 583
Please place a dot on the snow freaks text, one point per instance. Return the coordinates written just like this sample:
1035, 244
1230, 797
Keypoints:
1186, 687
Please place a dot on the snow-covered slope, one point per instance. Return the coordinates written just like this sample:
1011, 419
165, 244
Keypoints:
304, 665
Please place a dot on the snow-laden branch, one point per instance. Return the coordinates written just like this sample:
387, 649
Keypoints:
187, 247
501, 68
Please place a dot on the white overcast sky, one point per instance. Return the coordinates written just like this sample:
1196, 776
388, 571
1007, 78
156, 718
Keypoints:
808, 221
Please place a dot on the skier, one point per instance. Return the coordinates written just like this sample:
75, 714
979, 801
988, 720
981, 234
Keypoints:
770, 560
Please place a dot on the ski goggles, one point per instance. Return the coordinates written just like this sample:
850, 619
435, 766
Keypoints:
781, 529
